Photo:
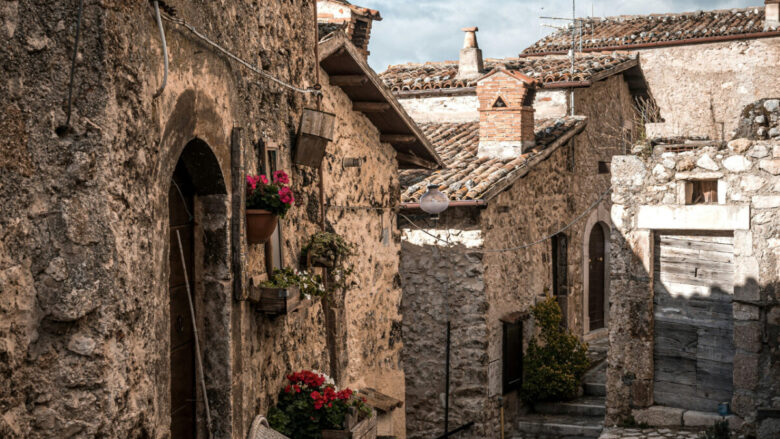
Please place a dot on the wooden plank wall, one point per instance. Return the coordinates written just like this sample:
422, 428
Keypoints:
694, 349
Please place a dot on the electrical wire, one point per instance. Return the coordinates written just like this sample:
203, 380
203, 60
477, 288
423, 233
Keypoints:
165, 50
520, 247
183, 23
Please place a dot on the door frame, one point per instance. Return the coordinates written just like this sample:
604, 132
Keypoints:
601, 217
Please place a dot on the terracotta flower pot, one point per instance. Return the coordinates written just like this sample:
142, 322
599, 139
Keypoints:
260, 225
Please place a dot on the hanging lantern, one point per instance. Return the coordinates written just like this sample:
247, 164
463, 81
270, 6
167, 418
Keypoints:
434, 201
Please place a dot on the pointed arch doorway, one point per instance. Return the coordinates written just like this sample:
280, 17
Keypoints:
199, 216
596, 277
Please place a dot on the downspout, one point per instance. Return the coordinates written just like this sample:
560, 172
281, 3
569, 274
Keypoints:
165, 50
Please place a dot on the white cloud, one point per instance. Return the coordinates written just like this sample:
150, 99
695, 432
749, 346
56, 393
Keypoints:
429, 30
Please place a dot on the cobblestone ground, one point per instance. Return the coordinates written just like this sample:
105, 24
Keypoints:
635, 433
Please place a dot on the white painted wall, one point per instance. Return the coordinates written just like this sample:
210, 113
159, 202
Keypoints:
455, 109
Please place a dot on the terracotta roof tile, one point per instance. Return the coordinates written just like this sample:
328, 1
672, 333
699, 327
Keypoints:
548, 70
626, 31
468, 177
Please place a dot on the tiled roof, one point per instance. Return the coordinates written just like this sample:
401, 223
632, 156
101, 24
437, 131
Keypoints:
468, 177
548, 70
625, 32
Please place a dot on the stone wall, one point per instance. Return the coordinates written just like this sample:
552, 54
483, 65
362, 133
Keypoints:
84, 217
747, 172
701, 88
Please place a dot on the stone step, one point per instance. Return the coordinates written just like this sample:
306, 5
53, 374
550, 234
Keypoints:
587, 406
595, 389
559, 426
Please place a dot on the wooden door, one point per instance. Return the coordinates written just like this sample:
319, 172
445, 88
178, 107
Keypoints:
182, 342
560, 252
694, 350
596, 268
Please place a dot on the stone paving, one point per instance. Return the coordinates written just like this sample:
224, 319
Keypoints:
652, 433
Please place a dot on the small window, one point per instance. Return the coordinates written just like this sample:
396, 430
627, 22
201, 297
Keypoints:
605, 167
269, 157
701, 192
499, 103
512, 373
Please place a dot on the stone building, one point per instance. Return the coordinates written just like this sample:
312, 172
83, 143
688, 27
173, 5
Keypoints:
518, 169
694, 276
87, 209
703, 66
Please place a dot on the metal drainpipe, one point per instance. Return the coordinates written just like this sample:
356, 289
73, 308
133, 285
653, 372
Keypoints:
165, 50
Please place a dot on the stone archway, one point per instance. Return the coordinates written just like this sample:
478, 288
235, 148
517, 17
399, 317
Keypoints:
199, 216
598, 227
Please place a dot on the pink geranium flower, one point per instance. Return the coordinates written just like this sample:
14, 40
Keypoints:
281, 177
264, 179
286, 196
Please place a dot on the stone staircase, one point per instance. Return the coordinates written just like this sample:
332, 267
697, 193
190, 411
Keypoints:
578, 419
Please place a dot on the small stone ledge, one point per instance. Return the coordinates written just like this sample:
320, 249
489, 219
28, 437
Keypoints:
662, 416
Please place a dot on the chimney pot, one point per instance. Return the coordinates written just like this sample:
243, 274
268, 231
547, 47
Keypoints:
772, 12
470, 65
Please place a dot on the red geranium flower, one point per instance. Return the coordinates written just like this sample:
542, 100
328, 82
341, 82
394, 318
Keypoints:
281, 177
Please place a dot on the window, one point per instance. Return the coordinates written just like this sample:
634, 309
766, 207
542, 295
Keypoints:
512, 372
701, 192
499, 103
269, 163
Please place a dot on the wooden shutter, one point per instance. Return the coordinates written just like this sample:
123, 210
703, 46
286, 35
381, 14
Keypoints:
512, 374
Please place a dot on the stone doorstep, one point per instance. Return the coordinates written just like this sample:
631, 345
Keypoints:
560, 425
589, 406
662, 416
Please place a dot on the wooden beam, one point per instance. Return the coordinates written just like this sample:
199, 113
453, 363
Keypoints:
348, 80
414, 160
397, 138
371, 107
379, 400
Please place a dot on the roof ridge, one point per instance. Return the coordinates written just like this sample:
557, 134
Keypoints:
672, 14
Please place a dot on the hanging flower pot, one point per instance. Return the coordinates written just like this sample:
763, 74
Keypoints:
266, 202
260, 225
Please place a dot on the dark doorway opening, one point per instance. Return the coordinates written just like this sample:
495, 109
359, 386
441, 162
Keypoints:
596, 276
183, 391
560, 251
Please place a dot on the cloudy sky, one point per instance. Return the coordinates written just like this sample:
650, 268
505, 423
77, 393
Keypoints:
429, 30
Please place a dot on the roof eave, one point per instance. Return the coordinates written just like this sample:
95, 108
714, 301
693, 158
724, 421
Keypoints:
339, 57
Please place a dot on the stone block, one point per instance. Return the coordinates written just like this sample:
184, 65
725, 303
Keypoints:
748, 336
692, 418
629, 169
768, 429
642, 393
743, 243
743, 404
744, 311
773, 316
746, 279
746, 370
740, 145
81, 345
737, 163
771, 166
751, 183
776, 151
706, 162
759, 151
766, 201
660, 416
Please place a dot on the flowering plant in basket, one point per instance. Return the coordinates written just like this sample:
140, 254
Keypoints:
274, 196
310, 403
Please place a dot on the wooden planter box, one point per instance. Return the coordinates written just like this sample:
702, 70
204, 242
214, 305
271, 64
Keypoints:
275, 301
315, 132
362, 430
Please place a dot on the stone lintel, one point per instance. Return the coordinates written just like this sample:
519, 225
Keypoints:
704, 217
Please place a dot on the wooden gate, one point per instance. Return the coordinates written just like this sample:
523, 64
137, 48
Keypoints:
694, 350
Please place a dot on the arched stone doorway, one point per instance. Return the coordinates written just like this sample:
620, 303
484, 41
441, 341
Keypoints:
596, 273
198, 217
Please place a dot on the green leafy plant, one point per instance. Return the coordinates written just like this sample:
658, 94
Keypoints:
718, 431
555, 361
310, 403
309, 285
332, 251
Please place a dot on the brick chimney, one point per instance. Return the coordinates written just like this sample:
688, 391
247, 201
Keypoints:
470, 65
772, 10
506, 114
355, 21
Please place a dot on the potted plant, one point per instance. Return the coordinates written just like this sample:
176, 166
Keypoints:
265, 203
285, 290
331, 251
310, 406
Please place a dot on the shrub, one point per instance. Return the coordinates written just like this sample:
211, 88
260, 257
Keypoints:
310, 403
555, 361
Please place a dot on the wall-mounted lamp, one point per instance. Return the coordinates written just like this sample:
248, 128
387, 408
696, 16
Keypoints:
434, 201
